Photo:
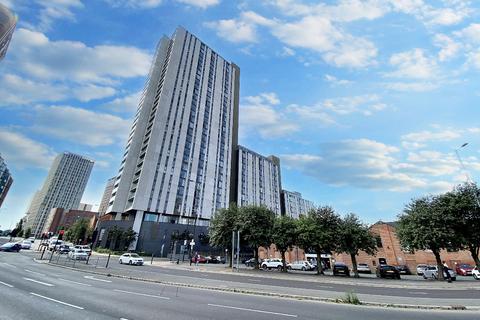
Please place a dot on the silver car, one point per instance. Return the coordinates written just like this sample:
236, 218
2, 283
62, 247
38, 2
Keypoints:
420, 268
300, 265
431, 272
363, 268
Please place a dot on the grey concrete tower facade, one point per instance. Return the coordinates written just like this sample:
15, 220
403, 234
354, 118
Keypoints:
8, 22
6, 180
63, 188
293, 205
178, 160
258, 180
107, 194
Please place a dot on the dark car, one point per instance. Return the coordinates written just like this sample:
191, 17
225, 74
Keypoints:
11, 247
386, 271
464, 269
250, 262
341, 269
403, 269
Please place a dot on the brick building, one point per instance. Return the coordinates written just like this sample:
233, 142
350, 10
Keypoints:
389, 248
61, 218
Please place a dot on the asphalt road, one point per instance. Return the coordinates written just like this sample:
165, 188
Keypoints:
451, 293
30, 290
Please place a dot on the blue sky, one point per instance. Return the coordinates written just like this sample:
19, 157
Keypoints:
365, 102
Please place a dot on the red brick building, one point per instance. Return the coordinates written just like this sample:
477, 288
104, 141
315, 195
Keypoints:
59, 218
391, 250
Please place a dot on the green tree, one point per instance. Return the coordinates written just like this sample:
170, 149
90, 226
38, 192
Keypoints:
18, 230
319, 231
284, 235
114, 236
79, 231
354, 237
27, 233
222, 224
127, 237
427, 224
463, 204
255, 224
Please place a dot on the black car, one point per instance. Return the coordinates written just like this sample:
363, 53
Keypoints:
403, 269
11, 247
341, 269
250, 262
386, 271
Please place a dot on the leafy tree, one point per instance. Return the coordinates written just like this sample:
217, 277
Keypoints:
128, 236
426, 224
255, 224
222, 224
463, 204
284, 235
319, 231
27, 233
114, 236
79, 231
17, 231
354, 237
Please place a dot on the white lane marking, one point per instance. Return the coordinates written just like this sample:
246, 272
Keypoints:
142, 294
57, 301
8, 264
92, 278
34, 272
255, 280
123, 319
6, 284
417, 292
326, 287
39, 282
80, 283
253, 310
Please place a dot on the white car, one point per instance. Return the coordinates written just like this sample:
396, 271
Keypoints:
54, 244
26, 244
476, 273
363, 268
77, 254
31, 239
84, 248
420, 268
272, 264
300, 265
131, 258
431, 272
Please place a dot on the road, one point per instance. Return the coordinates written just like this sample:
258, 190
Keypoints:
30, 290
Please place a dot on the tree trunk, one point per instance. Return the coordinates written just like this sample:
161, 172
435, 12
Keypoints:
284, 262
354, 265
474, 253
255, 256
439, 264
319, 262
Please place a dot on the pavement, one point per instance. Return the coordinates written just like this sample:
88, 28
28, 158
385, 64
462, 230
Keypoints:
32, 290
411, 293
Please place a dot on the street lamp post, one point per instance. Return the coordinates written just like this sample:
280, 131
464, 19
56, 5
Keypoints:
461, 162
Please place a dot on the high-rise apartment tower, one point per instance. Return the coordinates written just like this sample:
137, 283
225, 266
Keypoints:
177, 164
63, 188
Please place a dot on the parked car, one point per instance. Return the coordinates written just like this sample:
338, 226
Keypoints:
131, 258
340, 269
31, 239
420, 268
213, 259
10, 247
403, 269
431, 272
200, 258
272, 264
363, 268
25, 244
54, 244
464, 269
84, 248
77, 254
387, 271
300, 265
476, 273
250, 262
63, 249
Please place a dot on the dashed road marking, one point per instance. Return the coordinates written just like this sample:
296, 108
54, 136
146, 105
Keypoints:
142, 294
39, 282
6, 284
95, 279
57, 301
34, 272
80, 283
253, 310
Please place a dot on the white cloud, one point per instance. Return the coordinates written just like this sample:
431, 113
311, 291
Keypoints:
200, 3
413, 64
425, 136
22, 152
127, 103
33, 53
141, 4
56, 9
19, 91
334, 81
80, 126
448, 47
411, 86
470, 33
233, 30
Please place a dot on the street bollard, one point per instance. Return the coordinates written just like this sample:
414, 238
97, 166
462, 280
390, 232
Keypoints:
74, 258
58, 257
108, 260
43, 252
151, 261
88, 258
51, 256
